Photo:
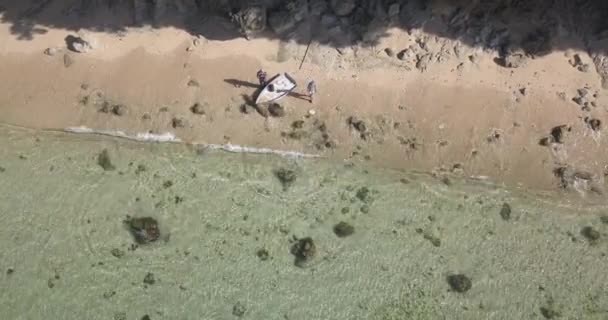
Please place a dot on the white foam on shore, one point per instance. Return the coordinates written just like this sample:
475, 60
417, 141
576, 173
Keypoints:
169, 137
244, 149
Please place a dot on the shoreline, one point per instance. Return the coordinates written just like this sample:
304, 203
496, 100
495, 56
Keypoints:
461, 114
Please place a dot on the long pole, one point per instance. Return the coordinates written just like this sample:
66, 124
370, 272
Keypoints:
305, 53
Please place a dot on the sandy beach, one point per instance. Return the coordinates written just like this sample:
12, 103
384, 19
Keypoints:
458, 111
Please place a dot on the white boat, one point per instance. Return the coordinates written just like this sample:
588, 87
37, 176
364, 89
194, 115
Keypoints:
277, 88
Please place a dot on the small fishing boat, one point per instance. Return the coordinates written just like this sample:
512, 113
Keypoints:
277, 88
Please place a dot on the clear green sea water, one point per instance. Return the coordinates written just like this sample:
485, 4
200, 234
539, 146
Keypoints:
65, 252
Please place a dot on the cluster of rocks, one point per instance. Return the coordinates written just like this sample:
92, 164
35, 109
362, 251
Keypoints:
585, 98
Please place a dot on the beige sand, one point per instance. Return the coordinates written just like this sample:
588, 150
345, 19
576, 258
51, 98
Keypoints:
440, 118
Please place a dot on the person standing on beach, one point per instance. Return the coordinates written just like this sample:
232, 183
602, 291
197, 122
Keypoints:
262, 77
311, 88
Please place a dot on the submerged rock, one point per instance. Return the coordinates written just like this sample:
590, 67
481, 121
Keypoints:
459, 282
145, 229
304, 250
286, 176
590, 234
343, 229
505, 211
103, 159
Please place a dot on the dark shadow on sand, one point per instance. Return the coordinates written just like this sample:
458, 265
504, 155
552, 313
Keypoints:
535, 28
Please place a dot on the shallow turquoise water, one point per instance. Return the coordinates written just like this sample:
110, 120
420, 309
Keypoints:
61, 216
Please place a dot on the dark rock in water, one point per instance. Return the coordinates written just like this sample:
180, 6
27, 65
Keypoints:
604, 219
276, 110
239, 309
364, 194
198, 108
286, 176
459, 282
117, 253
548, 312
145, 230
149, 279
590, 234
304, 250
263, 254
145, 317
10, 271
343, 229
103, 159
505, 211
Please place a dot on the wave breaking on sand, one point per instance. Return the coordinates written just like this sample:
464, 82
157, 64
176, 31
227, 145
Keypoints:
170, 137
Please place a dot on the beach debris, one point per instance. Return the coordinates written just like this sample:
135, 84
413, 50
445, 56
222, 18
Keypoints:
505, 211
304, 251
343, 229
52, 51
68, 61
178, 122
590, 234
286, 176
276, 110
459, 282
193, 83
198, 108
144, 229
103, 160
593, 123
149, 279
239, 309
263, 254
117, 253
